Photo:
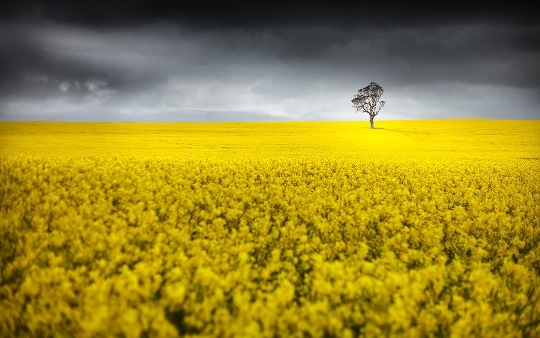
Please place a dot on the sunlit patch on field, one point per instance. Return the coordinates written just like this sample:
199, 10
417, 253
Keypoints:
417, 228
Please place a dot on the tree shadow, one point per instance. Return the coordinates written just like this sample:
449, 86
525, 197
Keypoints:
394, 130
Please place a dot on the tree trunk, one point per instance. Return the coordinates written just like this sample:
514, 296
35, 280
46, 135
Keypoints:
371, 123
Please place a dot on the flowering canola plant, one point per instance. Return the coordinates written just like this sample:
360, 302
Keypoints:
418, 228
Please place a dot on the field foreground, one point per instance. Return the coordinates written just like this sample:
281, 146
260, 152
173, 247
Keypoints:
417, 228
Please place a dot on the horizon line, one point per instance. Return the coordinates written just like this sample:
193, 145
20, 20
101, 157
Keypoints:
272, 121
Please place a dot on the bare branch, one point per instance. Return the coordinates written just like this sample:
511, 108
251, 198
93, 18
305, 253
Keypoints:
368, 100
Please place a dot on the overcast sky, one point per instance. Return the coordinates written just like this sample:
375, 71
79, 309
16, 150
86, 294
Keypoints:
242, 61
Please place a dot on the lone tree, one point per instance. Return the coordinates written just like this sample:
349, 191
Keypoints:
367, 101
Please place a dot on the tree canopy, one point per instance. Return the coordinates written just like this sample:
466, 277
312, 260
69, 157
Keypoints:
368, 101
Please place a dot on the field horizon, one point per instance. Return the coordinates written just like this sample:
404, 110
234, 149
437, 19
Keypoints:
346, 138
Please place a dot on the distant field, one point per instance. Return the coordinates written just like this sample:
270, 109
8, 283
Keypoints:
392, 140
416, 228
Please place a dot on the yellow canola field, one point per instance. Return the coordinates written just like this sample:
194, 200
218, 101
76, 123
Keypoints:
417, 228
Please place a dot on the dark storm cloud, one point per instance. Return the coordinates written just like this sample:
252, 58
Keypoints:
208, 61
473, 54
66, 54
253, 14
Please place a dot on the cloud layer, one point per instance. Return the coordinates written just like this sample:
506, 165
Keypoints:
191, 70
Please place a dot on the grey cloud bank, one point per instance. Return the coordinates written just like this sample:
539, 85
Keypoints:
173, 70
